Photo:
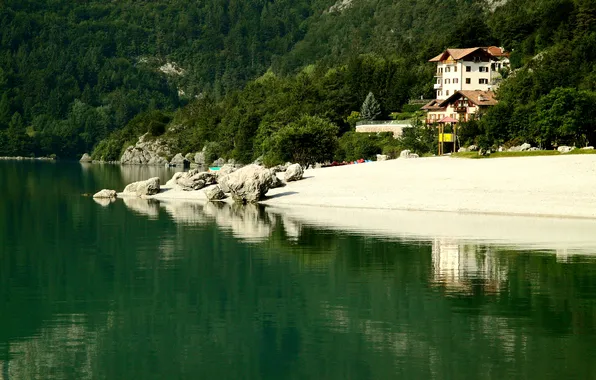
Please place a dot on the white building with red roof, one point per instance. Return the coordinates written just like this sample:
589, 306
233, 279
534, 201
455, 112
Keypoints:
468, 69
465, 81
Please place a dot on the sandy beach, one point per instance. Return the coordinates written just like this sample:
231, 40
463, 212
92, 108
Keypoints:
553, 186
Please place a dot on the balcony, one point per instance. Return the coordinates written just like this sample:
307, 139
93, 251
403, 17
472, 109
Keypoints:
461, 109
437, 86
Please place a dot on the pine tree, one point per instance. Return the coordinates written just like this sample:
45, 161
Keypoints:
5, 114
371, 109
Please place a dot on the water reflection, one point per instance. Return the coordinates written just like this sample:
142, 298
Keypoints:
457, 265
153, 290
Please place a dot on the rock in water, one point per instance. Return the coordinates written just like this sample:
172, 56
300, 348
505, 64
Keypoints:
86, 158
140, 188
294, 173
105, 193
180, 162
214, 193
249, 184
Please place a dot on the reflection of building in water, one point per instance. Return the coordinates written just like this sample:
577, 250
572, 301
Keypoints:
456, 265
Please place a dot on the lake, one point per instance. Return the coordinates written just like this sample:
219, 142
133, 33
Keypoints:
136, 289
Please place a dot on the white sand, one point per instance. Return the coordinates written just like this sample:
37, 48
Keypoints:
561, 186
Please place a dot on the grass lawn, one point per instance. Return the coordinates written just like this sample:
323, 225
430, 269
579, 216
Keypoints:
522, 154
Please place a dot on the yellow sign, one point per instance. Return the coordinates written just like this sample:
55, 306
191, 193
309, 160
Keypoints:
445, 137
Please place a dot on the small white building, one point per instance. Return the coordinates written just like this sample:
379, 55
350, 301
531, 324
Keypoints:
474, 69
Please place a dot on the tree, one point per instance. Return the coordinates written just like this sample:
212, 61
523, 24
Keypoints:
307, 141
371, 109
565, 116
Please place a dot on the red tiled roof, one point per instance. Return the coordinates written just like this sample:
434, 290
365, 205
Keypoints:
456, 54
480, 98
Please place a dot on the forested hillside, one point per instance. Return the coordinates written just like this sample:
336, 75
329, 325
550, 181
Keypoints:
72, 74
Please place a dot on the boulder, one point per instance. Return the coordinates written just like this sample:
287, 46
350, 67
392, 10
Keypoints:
189, 157
86, 158
141, 188
462, 150
105, 193
294, 173
565, 149
219, 162
382, 157
147, 151
248, 184
179, 161
514, 149
533, 149
524, 147
588, 148
191, 180
407, 154
214, 193
224, 171
200, 158
275, 181
472, 148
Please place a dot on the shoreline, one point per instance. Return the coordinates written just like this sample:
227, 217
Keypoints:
543, 186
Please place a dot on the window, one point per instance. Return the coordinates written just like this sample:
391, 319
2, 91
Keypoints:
456, 80
468, 80
439, 93
455, 69
447, 81
438, 80
447, 69
483, 81
468, 69
483, 69
447, 92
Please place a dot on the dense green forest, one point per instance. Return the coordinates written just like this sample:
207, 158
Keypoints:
73, 76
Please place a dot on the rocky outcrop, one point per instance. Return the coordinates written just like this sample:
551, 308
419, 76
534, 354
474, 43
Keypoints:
105, 193
180, 161
294, 172
146, 152
382, 157
407, 154
214, 193
86, 158
249, 184
143, 188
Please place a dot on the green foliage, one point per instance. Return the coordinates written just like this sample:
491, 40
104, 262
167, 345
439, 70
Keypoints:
79, 74
354, 146
307, 141
371, 109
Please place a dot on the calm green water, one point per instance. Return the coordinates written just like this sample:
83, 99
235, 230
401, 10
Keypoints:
139, 290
